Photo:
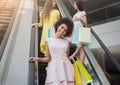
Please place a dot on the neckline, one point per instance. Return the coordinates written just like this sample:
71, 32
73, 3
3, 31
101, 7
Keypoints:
57, 38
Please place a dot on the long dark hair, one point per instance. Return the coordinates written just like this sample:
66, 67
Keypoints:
81, 6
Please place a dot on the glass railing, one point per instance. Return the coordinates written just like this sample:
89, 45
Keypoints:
100, 15
32, 73
104, 14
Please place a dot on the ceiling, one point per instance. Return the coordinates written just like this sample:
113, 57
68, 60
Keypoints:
90, 4
95, 4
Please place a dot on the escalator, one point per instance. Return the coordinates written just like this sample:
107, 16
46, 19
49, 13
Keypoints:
14, 68
14, 64
8, 9
106, 60
91, 63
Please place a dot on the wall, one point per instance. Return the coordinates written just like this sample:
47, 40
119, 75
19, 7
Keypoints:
109, 33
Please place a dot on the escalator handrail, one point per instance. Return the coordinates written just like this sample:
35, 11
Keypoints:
31, 72
95, 66
62, 9
33, 49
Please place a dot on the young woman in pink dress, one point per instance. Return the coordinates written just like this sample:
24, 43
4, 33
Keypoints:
59, 70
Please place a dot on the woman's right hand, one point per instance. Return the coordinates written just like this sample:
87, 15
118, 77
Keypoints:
70, 57
34, 25
37, 25
33, 59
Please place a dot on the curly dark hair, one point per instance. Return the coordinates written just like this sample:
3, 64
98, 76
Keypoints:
68, 22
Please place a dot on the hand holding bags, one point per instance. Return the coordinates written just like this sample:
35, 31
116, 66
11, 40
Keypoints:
86, 76
85, 35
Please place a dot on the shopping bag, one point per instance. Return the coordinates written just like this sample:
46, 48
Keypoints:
77, 78
86, 76
85, 35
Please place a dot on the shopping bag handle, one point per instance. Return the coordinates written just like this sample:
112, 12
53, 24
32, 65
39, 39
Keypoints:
73, 59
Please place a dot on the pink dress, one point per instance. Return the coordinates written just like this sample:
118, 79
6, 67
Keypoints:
60, 70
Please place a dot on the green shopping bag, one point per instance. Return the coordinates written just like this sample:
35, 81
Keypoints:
86, 76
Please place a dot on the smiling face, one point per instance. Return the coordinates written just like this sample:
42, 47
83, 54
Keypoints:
62, 30
64, 27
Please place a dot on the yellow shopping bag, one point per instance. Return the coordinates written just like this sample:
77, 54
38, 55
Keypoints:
77, 75
85, 35
86, 76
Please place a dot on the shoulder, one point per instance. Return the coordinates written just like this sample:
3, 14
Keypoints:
55, 11
83, 13
48, 39
67, 43
66, 40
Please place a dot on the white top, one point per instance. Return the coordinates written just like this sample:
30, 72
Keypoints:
79, 14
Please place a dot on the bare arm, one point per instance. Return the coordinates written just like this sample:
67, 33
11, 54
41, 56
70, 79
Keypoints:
37, 24
83, 20
40, 23
45, 59
76, 51
68, 49
41, 20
